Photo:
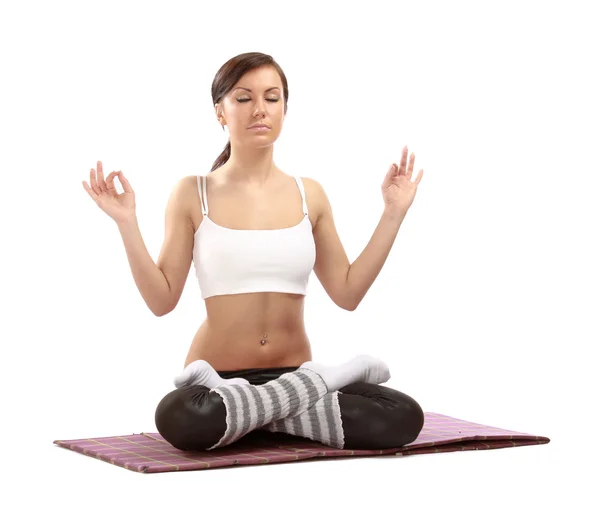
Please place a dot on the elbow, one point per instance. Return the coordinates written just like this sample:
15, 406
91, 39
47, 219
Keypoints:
165, 307
163, 311
348, 305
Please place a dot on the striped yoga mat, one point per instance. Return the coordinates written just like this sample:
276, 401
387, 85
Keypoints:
150, 453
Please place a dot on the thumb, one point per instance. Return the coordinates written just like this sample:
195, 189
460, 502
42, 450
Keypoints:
124, 182
392, 171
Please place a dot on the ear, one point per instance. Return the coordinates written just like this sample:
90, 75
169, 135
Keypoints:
219, 114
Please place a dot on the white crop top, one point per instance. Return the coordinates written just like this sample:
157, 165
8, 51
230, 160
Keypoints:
230, 261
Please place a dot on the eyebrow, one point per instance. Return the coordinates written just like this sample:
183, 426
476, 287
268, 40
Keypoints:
247, 89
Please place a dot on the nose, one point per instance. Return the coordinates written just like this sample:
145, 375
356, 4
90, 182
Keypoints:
260, 110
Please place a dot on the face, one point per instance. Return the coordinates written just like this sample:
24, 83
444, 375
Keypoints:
257, 103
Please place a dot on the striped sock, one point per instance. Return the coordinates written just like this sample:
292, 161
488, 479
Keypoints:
250, 407
322, 422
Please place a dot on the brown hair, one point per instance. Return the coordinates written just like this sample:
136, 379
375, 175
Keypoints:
229, 74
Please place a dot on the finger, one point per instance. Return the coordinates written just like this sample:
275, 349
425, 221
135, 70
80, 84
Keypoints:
419, 177
90, 191
93, 182
125, 183
411, 164
392, 171
403, 160
110, 185
101, 182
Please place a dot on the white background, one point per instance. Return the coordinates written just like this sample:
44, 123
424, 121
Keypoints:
486, 309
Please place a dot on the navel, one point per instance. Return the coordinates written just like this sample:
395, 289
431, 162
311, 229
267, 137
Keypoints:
263, 341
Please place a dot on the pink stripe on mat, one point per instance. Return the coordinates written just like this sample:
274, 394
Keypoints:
150, 453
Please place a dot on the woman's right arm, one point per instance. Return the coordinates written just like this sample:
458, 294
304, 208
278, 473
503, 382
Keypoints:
161, 284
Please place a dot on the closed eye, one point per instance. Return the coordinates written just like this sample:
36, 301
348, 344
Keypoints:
247, 100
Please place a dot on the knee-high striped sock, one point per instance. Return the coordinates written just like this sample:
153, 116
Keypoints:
322, 422
250, 407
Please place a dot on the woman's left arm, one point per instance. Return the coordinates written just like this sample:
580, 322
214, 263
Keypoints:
345, 283
366, 267
398, 194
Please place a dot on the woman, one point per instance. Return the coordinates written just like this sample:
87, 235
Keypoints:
250, 364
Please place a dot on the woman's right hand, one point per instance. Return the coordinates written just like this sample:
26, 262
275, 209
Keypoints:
120, 207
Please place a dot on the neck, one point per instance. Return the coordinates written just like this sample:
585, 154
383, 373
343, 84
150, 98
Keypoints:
250, 167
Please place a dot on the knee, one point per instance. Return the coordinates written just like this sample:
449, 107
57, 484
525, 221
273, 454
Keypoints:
408, 421
189, 418
171, 418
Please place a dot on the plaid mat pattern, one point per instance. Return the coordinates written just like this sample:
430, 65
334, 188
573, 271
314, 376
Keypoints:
150, 453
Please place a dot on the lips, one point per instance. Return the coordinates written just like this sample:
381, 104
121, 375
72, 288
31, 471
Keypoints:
259, 125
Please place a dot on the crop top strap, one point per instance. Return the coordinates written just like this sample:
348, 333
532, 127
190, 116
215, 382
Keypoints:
202, 193
301, 187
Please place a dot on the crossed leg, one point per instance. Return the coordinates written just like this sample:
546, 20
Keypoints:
359, 415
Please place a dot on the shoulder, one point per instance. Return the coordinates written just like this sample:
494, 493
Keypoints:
313, 186
184, 191
187, 186
315, 195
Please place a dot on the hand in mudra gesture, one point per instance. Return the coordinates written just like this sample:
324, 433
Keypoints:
120, 207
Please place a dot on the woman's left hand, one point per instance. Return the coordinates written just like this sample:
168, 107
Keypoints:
397, 189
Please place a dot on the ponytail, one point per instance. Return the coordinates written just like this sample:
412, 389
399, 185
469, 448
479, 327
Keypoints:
223, 157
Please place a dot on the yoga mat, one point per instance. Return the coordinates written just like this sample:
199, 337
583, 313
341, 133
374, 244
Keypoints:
151, 453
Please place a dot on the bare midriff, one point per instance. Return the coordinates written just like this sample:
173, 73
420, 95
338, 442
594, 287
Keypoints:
252, 330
